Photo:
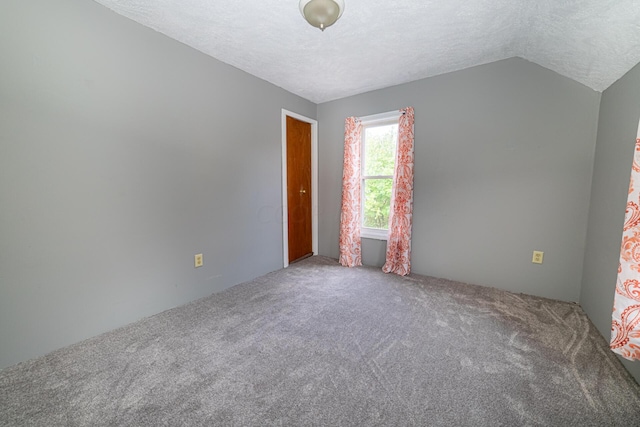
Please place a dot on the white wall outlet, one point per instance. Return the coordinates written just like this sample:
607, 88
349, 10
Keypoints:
198, 260
537, 257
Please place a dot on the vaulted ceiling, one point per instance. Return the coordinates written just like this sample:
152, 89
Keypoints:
381, 43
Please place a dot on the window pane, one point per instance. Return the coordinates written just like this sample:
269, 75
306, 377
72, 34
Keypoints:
377, 202
380, 149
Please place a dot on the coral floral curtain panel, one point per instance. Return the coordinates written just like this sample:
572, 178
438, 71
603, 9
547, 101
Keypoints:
625, 329
398, 258
350, 243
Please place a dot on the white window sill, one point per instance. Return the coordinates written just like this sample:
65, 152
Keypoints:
374, 233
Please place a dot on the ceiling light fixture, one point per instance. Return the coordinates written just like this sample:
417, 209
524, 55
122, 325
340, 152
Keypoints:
321, 13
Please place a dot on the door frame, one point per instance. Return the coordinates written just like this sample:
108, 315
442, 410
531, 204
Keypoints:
314, 184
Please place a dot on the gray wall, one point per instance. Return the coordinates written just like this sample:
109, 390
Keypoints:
122, 154
617, 129
503, 162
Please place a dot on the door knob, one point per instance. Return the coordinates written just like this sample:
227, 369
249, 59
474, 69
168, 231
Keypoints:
303, 191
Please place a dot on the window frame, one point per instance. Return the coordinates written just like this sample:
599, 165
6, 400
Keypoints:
376, 120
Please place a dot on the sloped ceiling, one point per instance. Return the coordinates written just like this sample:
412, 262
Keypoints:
380, 43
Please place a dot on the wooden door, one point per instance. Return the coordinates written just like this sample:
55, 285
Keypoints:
299, 188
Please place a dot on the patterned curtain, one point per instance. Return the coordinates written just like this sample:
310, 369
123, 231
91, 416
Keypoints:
398, 258
625, 329
350, 243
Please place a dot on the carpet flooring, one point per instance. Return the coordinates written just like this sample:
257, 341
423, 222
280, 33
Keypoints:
318, 344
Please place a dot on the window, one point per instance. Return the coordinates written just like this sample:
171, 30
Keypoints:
360, 157
379, 142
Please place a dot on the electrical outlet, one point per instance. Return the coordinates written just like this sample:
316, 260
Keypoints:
198, 260
537, 257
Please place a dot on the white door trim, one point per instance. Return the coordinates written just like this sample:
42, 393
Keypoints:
314, 185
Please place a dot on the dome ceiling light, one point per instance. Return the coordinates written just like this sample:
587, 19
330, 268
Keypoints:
321, 13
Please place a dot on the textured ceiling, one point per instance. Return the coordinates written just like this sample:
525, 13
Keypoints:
380, 43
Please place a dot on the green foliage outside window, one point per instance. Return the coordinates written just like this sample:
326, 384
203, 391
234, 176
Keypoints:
377, 201
379, 158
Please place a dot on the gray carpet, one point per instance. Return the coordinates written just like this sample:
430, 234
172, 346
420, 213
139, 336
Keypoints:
320, 344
